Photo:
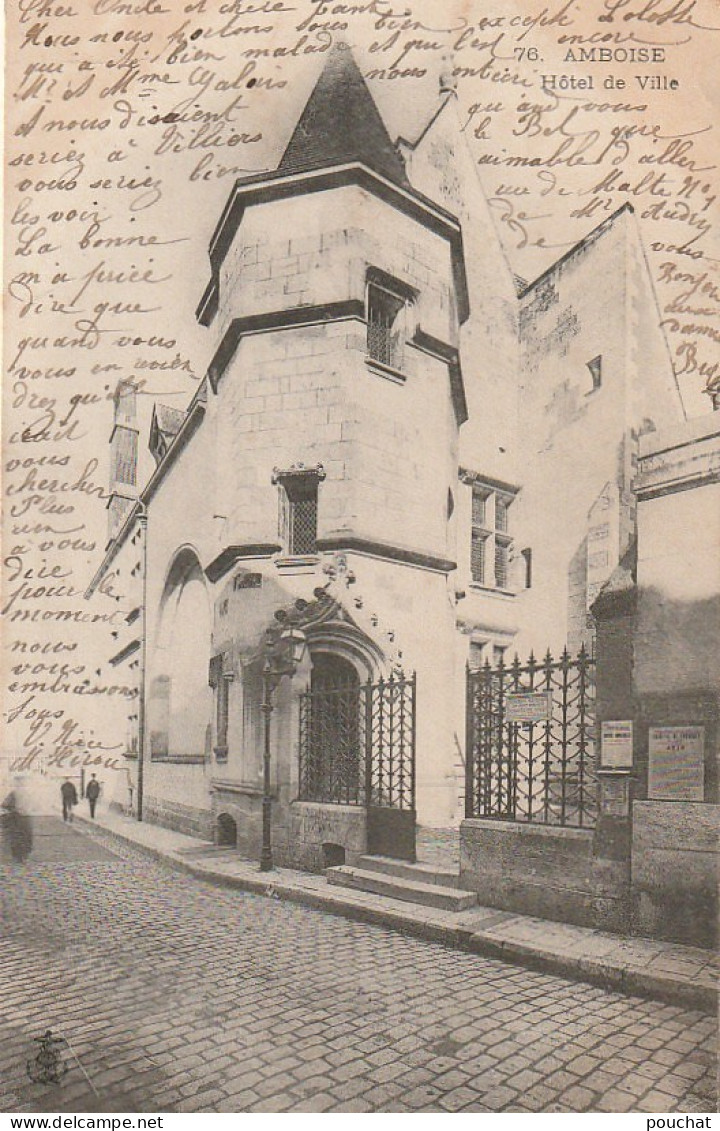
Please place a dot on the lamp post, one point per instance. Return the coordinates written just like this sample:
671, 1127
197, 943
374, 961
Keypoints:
284, 652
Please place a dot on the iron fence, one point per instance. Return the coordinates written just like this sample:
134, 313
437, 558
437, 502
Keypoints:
531, 741
357, 744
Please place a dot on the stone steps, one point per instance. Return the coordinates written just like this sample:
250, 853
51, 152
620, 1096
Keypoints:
399, 887
418, 873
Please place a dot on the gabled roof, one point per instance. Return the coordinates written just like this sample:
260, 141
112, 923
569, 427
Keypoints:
341, 124
193, 417
169, 419
582, 245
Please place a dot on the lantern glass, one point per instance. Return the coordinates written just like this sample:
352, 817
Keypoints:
294, 642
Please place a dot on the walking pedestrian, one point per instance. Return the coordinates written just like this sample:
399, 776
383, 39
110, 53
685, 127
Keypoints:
69, 799
16, 827
92, 792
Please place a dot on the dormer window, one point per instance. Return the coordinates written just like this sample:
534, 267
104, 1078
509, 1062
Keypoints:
387, 302
299, 508
165, 424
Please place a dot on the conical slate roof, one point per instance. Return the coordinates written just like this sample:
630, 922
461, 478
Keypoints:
340, 124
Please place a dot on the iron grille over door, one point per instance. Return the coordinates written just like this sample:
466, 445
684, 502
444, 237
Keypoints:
357, 747
332, 736
531, 741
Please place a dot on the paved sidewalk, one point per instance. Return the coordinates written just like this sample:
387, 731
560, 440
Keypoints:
681, 975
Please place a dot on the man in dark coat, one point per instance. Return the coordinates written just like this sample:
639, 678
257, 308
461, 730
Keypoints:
16, 827
69, 799
92, 792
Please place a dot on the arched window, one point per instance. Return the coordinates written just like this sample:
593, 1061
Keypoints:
180, 703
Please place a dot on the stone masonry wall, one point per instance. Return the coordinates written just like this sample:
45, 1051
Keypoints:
387, 443
540, 870
329, 240
188, 819
571, 317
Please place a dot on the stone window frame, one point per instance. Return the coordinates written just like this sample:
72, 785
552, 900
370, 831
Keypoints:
499, 652
491, 538
298, 485
526, 555
486, 649
477, 653
220, 677
395, 295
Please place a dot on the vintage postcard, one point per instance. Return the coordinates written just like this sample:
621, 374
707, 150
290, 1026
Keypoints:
361, 547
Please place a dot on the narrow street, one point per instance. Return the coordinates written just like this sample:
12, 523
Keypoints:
175, 995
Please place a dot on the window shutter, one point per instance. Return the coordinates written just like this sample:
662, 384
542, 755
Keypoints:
501, 565
478, 508
477, 557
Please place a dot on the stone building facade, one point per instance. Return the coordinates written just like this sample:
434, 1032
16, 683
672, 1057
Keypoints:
676, 683
420, 461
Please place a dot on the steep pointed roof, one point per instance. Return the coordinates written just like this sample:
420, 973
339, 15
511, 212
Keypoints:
341, 124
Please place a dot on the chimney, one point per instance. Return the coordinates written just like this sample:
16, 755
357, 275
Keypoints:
123, 456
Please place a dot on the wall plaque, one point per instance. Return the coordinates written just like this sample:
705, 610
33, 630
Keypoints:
615, 796
676, 769
616, 745
528, 706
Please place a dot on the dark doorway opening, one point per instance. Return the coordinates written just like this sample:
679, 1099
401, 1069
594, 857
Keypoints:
226, 831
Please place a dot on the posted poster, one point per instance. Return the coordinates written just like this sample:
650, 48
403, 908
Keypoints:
676, 763
327, 326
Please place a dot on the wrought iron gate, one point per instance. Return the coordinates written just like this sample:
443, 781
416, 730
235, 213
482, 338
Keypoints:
531, 741
357, 747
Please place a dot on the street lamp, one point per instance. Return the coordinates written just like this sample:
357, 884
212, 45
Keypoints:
284, 652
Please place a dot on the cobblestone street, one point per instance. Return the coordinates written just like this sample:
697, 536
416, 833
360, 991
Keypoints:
175, 995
